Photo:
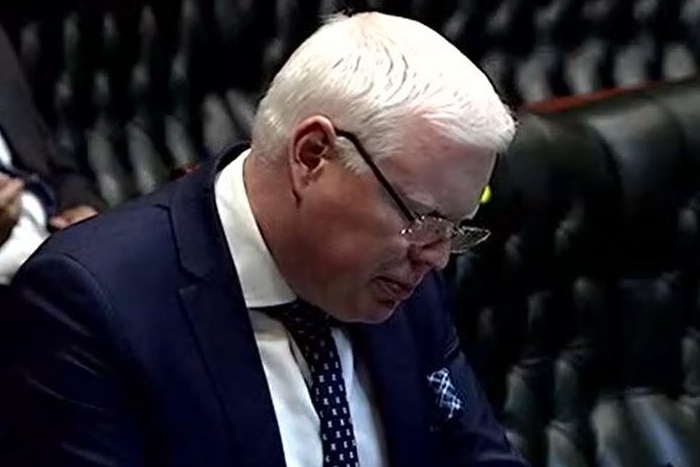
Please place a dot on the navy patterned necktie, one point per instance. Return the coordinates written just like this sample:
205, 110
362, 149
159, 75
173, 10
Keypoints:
311, 330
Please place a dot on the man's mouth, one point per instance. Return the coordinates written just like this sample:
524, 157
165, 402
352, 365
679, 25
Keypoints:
395, 289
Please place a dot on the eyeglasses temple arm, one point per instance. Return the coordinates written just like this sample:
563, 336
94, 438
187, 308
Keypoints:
377, 173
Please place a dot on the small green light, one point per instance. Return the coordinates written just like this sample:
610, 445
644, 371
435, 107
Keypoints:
485, 195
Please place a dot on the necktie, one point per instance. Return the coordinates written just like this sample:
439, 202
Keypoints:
310, 328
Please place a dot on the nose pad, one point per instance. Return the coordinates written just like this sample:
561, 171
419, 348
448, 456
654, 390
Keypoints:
435, 254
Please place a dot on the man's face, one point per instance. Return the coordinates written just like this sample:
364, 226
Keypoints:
352, 259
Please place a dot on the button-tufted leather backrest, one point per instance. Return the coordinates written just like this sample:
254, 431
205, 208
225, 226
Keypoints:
581, 315
196, 54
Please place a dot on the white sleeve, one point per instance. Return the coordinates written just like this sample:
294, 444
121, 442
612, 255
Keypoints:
28, 234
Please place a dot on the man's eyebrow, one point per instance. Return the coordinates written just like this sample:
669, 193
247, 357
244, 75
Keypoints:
424, 210
434, 212
421, 208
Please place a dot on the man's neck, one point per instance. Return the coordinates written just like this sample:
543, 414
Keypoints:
273, 204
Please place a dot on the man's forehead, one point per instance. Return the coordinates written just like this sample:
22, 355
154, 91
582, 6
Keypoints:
457, 211
449, 183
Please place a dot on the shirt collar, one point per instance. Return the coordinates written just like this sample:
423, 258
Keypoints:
260, 278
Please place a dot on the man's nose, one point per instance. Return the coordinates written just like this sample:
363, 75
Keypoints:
435, 254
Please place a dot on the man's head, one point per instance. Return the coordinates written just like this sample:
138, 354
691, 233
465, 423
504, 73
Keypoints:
390, 89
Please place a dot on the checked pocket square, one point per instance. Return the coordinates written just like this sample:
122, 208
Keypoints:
446, 395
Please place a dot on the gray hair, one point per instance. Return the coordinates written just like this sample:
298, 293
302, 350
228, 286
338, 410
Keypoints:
375, 74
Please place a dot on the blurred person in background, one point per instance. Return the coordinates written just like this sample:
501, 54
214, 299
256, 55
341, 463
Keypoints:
40, 188
282, 303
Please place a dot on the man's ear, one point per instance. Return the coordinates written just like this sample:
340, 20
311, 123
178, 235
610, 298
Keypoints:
309, 150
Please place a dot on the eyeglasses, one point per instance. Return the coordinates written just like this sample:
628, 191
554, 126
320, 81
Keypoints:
423, 229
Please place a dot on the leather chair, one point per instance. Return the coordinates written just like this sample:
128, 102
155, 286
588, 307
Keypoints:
75, 63
29, 53
430, 12
151, 53
500, 67
622, 41
182, 132
114, 60
394, 7
288, 23
106, 148
581, 315
242, 32
463, 27
193, 51
682, 102
242, 111
510, 25
645, 374
689, 19
69, 134
218, 127
145, 139
329, 7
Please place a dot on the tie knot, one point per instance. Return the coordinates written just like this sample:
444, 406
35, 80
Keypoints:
300, 316
310, 328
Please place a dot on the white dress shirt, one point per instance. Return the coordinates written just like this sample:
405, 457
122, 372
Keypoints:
286, 371
29, 232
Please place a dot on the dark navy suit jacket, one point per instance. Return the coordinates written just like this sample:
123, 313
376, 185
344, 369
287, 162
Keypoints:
128, 343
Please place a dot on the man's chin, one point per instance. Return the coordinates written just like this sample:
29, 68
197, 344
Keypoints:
379, 311
371, 311
370, 305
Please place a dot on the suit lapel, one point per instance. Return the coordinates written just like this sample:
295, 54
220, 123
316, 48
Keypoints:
391, 355
213, 302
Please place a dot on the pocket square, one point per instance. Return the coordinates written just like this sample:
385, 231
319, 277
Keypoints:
446, 396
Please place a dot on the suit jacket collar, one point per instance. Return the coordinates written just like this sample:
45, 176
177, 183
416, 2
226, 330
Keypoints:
214, 303
400, 387
198, 233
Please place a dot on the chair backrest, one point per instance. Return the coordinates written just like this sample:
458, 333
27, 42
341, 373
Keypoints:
587, 297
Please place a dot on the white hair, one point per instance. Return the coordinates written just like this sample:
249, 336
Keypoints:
376, 75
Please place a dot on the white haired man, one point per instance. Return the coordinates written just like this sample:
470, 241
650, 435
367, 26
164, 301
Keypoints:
280, 305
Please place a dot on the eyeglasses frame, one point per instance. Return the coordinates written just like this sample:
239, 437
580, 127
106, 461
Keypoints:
408, 214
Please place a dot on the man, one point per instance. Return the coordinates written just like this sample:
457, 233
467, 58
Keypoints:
32, 174
279, 305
